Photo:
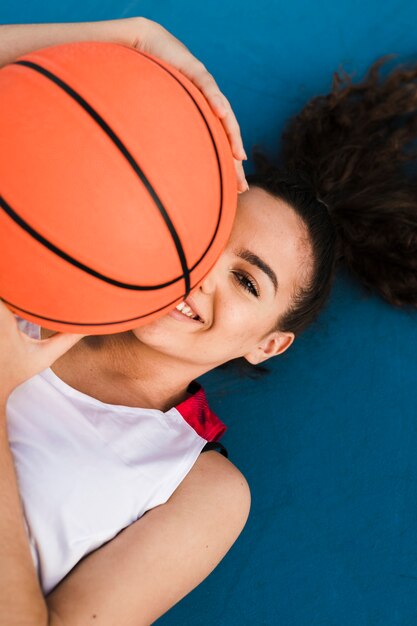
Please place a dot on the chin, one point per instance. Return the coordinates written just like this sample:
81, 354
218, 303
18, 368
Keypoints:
155, 335
148, 330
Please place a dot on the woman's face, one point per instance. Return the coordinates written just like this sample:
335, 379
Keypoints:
249, 288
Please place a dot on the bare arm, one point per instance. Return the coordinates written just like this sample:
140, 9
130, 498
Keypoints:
143, 34
143, 571
21, 599
156, 561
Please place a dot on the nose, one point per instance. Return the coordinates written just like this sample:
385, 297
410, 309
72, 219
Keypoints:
209, 283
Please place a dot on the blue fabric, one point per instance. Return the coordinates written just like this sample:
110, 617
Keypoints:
328, 441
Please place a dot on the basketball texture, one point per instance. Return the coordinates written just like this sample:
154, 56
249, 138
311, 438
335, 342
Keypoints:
117, 187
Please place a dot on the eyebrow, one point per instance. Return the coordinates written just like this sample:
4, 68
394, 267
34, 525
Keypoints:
253, 259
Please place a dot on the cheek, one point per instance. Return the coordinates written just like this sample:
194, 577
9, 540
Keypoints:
250, 327
239, 326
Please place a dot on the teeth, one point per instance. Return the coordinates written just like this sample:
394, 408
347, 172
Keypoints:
185, 309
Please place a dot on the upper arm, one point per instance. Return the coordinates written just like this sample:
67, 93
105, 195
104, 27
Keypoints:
153, 563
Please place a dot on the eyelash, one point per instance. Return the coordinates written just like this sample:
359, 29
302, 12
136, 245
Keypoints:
246, 282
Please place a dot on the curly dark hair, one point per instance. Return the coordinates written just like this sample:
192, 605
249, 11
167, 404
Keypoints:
347, 166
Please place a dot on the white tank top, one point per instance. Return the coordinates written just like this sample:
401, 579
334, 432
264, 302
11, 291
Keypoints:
87, 469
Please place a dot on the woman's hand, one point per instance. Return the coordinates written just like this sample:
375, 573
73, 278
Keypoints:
138, 32
156, 40
21, 357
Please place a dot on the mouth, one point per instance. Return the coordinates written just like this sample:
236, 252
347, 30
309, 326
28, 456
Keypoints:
188, 309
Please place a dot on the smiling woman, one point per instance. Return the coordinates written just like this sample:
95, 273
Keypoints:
131, 421
238, 304
136, 387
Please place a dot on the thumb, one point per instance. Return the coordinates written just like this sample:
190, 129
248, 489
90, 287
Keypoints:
55, 346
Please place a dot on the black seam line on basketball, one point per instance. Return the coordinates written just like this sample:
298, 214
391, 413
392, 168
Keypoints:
52, 319
155, 61
215, 150
125, 152
66, 257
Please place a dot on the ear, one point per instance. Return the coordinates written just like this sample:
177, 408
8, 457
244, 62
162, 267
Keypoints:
271, 345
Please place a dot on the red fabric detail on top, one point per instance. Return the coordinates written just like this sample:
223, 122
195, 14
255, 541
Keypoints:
197, 413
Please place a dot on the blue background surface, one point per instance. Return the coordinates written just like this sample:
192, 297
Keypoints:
328, 441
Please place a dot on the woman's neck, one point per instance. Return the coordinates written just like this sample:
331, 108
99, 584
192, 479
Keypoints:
119, 369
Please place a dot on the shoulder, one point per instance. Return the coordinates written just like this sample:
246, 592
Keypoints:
221, 483
213, 465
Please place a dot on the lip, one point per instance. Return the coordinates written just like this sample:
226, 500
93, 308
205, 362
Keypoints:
180, 316
183, 318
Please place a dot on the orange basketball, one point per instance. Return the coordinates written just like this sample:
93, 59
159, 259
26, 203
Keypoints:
117, 187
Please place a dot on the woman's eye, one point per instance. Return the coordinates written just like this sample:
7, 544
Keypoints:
247, 283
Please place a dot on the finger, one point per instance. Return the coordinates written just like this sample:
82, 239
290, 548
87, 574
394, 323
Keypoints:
220, 105
55, 346
217, 104
222, 108
242, 184
232, 129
